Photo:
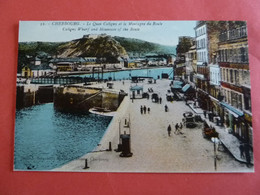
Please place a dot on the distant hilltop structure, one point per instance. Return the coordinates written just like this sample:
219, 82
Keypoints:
95, 36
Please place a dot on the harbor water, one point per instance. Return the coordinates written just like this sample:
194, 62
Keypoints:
126, 74
46, 139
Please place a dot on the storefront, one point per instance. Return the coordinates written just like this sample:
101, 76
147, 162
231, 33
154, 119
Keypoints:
233, 119
247, 130
203, 99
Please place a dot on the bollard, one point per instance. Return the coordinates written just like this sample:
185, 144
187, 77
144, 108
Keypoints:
126, 150
86, 164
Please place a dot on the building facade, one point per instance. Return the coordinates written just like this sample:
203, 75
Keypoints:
235, 82
202, 72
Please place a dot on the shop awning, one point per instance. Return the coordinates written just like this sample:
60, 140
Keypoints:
235, 112
177, 85
185, 88
135, 88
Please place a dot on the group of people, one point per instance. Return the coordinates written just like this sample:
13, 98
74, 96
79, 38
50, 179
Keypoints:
143, 110
178, 128
150, 90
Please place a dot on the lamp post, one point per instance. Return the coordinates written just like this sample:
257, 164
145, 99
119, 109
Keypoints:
119, 128
215, 141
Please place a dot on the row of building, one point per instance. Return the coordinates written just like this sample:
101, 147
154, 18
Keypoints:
38, 67
217, 66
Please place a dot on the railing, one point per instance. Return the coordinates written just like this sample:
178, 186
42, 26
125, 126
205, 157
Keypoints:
60, 80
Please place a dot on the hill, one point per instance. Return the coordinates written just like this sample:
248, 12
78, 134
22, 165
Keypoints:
100, 47
144, 47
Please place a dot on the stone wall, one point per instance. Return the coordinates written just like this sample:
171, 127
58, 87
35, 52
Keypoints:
81, 99
29, 95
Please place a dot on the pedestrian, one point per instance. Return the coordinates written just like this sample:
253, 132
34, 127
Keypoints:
242, 150
144, 109
181, 125
166, 108
176, 128
183, 121
247, 153
160, 100
148, 110
169, 129
205, 114
141, 109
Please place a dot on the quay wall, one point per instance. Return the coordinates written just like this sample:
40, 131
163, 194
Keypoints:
81, 99
28, 95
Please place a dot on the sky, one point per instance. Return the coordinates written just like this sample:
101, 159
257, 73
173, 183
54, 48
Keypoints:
162, 32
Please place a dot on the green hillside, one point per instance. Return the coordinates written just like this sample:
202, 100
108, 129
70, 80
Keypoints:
136, 45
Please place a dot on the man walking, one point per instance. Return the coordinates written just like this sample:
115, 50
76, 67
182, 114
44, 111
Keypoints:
166, 108
176, 128
242, 150
169, 129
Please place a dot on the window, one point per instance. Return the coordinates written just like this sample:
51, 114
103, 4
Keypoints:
246, 54
231, 76
231, 55
222, 74
229, 97
227, 76
228, 55
234, 99
239, 106
236, 77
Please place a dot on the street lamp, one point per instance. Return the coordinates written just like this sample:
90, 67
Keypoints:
215, 141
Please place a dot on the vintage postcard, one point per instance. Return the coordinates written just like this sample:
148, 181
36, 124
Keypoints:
133, 96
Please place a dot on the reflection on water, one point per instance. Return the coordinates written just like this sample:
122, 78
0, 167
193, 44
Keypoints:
46, 139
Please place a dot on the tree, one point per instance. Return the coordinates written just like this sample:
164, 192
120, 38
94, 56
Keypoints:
184, 45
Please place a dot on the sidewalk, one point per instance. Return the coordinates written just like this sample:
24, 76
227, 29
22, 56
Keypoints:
227, 139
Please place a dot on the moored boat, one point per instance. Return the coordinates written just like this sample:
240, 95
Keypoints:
102, 111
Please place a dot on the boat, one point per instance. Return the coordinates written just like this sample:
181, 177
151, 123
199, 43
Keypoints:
102, 111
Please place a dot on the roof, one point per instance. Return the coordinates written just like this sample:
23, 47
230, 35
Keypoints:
79, 59
43, 66
136, 87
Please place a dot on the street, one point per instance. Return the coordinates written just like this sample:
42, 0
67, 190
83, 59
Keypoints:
153, 150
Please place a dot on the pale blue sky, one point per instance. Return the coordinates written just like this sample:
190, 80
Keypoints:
163, 32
